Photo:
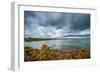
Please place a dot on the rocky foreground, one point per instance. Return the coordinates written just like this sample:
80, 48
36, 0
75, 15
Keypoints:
46, 53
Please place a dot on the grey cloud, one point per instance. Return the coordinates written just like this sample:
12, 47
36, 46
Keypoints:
66, 22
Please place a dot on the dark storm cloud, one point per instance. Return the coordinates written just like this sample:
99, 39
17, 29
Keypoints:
55, 23
80, 22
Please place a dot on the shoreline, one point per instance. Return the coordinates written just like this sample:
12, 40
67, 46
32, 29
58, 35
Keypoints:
45, 53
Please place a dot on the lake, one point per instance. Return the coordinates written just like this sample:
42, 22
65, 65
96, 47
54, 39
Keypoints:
62, 44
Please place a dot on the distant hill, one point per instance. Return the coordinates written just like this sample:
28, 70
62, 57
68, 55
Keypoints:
88, 35
29, 39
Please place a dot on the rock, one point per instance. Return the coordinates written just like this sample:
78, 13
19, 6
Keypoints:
45, 47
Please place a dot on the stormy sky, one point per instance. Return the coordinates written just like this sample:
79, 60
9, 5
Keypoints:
39, 24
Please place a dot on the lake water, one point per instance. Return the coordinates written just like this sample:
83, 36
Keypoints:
64, 44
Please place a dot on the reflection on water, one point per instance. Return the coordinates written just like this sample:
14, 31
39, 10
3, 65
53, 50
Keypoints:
69, 43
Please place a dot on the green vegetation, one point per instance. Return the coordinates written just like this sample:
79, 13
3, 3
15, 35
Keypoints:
46, 53
28, 47
30, 39
36, 39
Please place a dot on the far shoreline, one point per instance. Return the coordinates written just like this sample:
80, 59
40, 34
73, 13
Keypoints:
30, 39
